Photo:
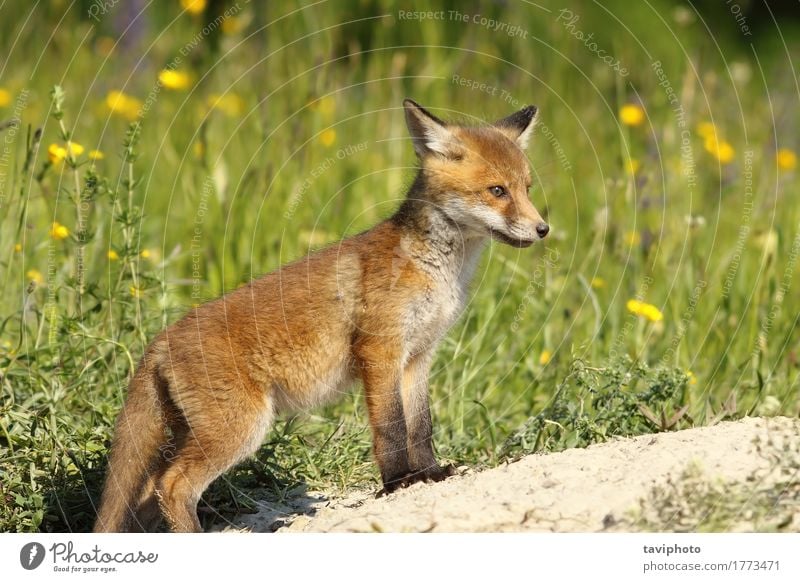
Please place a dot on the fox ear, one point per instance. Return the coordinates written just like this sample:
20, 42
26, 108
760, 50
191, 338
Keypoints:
430, 134
519, 126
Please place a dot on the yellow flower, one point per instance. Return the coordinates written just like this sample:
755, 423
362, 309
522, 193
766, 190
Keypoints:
123, 104
325, 105
135, 291
706, 129
631, 114
598, 283
58, 231
35, 276
692, 377
56, 153
74, 148
230, 104
112, 255
645, 310
633, 166
146, 254
327, 137
105, 44
545, 357
175, 80
787, 159
193, 6
198, 149
5, 97
18, 248
633, 238
96, 155
720, 149
232, 25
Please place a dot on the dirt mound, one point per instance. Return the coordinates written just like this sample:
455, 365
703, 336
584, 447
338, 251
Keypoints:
647, 482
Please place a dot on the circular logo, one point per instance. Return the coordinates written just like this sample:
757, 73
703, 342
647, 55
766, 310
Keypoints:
31, 555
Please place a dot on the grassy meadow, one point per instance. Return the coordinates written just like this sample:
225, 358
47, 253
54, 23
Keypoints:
155, 155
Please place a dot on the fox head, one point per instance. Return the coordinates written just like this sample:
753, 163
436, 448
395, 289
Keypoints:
479, 175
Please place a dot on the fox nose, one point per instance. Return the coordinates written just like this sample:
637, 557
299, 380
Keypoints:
542, 229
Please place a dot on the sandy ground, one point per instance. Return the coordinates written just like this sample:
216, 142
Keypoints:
579, 490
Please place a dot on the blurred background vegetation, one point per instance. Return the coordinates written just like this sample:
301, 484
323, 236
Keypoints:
191, 145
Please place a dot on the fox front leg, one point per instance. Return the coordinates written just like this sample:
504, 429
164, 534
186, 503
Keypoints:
419, 428
382, 375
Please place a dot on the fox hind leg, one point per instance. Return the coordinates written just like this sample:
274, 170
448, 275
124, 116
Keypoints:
205, 452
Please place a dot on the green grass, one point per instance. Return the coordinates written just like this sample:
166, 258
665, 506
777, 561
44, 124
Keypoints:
547, 355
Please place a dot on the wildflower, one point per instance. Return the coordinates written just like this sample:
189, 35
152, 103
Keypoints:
706, 129
145, 254
328, 137
175, 80
692, 378
229, 103
104, 45
646, 310
5, 97
325, 106
35, 276
633, 238
198, 149
58, 231
56, 153
631, 114
598, 283
135, 291
720, 149
96, 155
123, 104
194, 6
768, 241
18, 248
232, 25
545, 357
787, 159
74, 148
112, 255
632, 166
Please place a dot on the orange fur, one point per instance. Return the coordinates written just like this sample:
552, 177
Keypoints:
371, 308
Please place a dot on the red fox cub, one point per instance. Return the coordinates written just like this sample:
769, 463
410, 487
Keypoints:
209, 386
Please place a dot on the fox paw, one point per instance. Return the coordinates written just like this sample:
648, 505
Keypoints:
429, 475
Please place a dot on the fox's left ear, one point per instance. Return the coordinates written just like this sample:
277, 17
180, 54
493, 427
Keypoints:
519, 126
429, 133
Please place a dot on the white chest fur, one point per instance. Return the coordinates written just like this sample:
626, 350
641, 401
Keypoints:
450, 270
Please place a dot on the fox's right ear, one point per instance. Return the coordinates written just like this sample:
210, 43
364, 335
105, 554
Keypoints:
430, 134
519, 126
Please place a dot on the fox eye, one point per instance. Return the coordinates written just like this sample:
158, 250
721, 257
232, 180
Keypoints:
498, 191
